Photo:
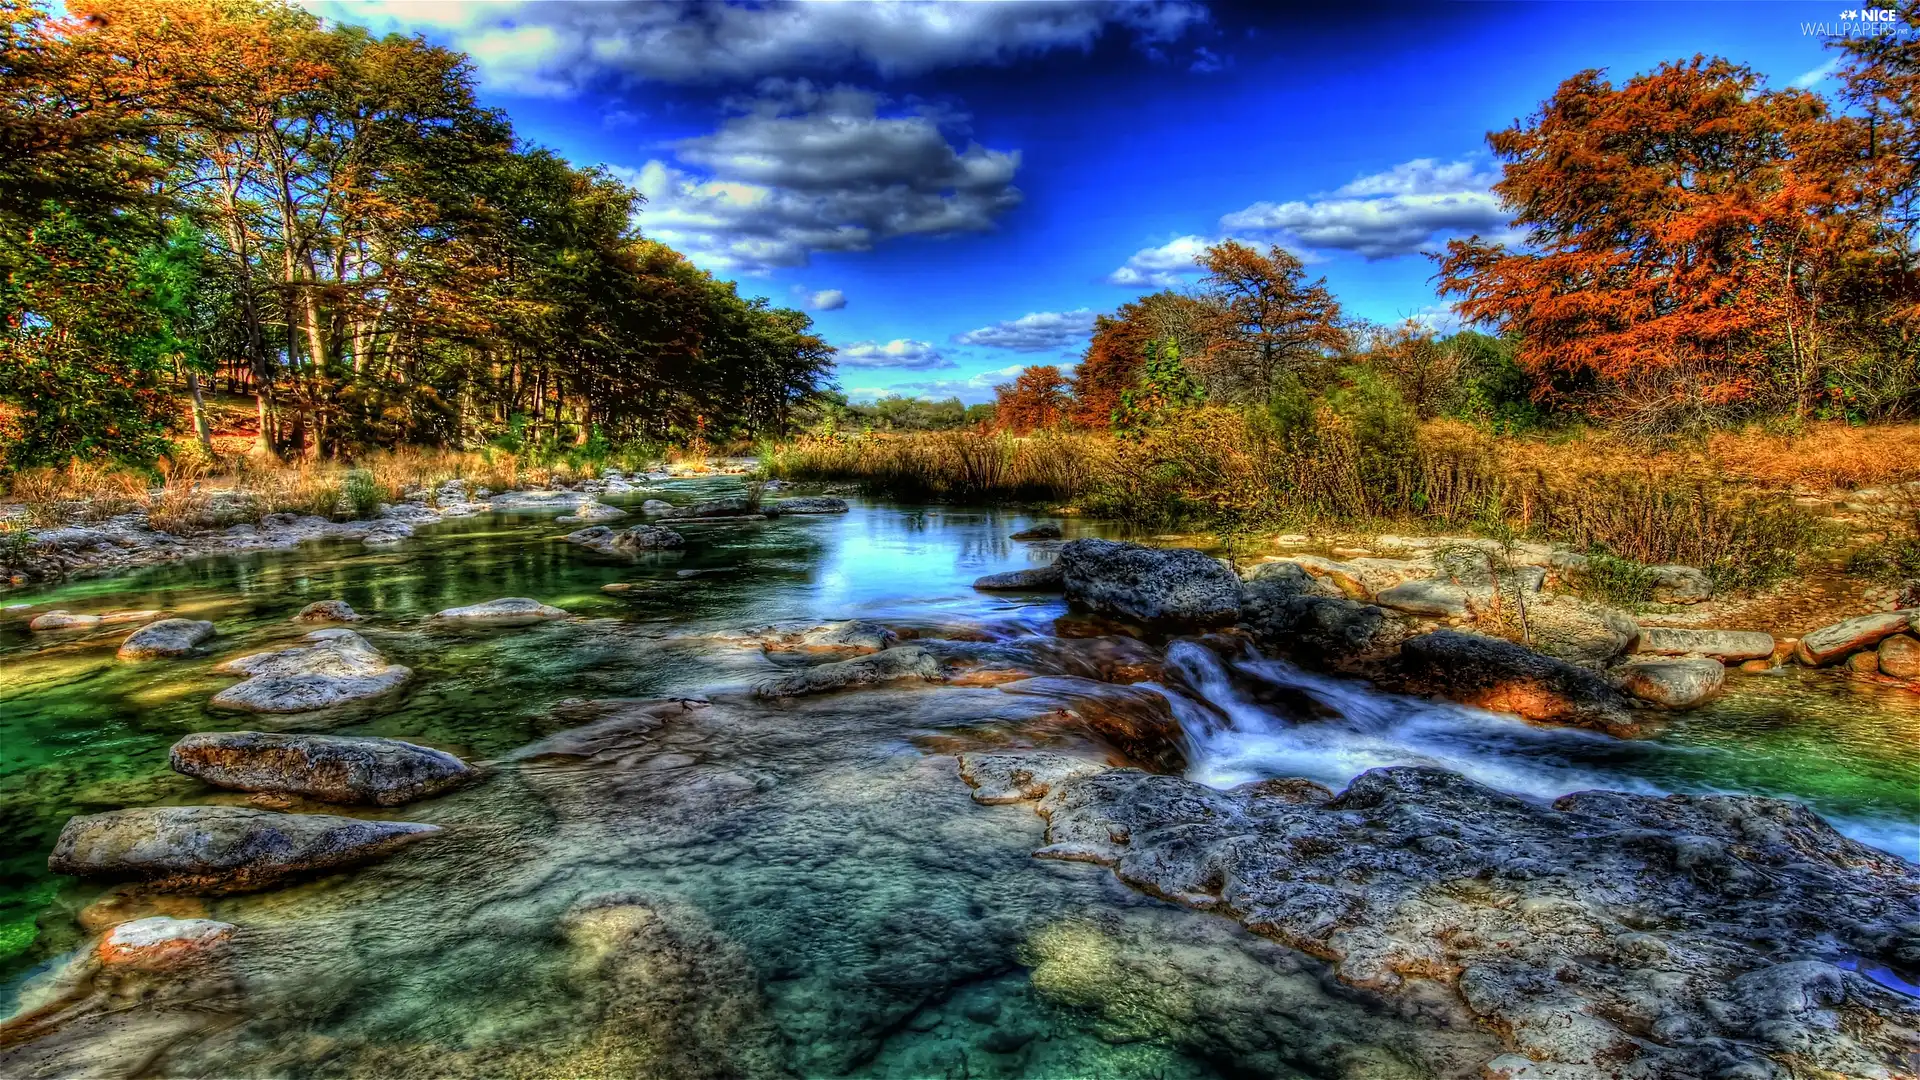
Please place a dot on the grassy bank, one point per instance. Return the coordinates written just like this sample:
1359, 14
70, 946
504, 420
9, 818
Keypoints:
1725, 504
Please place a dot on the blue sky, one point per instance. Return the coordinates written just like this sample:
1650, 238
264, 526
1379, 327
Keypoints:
953, 190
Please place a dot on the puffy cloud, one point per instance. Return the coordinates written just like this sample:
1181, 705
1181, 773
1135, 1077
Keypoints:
1401, 211
903, 353
1039, 331
801, 169
571, 43
972, 390
1173, 264
827, 300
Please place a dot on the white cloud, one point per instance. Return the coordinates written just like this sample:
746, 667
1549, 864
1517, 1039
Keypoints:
573, 43
903, 353
1401, 211
972, 390
1810, 79
803, 170
1039, 331
827, 300
1175, 263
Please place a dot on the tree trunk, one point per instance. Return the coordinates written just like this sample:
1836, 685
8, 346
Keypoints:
200, 428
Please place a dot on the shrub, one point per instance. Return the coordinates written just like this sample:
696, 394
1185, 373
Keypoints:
362, 493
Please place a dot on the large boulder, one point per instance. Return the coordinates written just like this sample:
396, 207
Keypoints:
1678, 683
1288, 610
1579, 631
511, 611
1731, 646
335, 667
1606, 935
166, 638
813, 504
331, 768
1500, 676
1676, 584
1154, 585
1899, 657
220, 848
1830, 643
1049, 578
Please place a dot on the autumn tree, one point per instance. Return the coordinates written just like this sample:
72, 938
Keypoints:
1687, 237
1880, 74
1036, 399
1268, 321
1113, 361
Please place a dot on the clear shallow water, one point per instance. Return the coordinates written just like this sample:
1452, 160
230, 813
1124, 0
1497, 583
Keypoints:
826, 882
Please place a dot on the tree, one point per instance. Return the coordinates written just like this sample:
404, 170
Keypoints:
1036, 399
1881, 76
1687, 233
1268, 320
1165, 386
1112, 363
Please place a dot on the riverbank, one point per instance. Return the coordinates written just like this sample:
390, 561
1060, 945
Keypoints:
712, 829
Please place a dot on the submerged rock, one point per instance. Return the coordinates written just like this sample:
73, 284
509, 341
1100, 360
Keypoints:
1731, 646
220, 848
591, 510
732, 506
325, 611
160, 943
627, 541
1609, 935
332, 768
510, 611
1176, 585
67, 620
1046, 530
337, 667
1830, 643
814, 504
1489, 673
166, 638
1679, 683
1049, 578
1021, 777
885, 666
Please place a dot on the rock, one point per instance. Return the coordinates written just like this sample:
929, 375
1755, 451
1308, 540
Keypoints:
591, 510
67, 620
617, 587
1426, 596
1021, 777
331, 768
732, 506
387, 533
1731, 646
1317, 630
1680, 683
1175, 585
1046, 530
1675, 584
1607, 935
627, 541
884, 666
1579, 631
159, 943
510, 611
1756, 667
325, 611
337, 667
1285, 578
1830, 643
1864, 663
168, 637
1049, 578
1908, 594
1900, 657
220, 848
1500, 676
656, 506
535, 500
817, 504
411, 513
1363, 579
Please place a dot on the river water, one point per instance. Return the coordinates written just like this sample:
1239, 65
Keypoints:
793, 889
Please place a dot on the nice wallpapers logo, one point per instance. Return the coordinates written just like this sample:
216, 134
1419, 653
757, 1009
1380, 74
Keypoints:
1859, 22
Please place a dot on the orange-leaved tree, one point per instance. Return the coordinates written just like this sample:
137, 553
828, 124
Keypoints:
1114, 358
1686, 237
1037, 399
1268, 320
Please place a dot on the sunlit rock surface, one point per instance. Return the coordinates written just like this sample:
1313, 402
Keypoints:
337, 666
331, 768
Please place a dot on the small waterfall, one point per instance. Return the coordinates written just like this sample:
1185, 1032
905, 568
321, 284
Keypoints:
1332, 729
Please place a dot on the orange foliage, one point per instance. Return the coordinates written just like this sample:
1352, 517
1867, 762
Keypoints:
1036, 400
1114, 358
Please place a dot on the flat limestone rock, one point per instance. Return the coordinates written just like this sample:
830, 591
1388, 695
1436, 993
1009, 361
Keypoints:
591, 510
885, 666
629, 541
1049, 578
1176, 585
166, 638
1011, 778
1498, 675
812, 504
331, 768
67, 620
511, 611
1678, 683
1425, 596
1609, 935
1731, 646
1830, 643
336, 667
220, 848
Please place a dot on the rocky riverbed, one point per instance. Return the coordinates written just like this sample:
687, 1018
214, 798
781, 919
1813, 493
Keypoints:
660, 830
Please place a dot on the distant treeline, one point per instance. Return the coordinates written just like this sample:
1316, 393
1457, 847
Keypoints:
200, 190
